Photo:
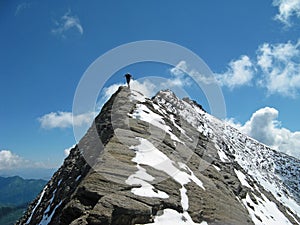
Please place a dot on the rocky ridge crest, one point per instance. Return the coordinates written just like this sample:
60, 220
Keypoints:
109, 177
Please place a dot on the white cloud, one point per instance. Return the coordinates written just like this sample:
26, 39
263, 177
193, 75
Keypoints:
149, 86
264, 127
239, 73
280, 64
21, 7
180, 69
66, 23
65, 120
180, 79
8, 160
146, 87
287, 9
67, 150
275, 67
109, 91
106, 93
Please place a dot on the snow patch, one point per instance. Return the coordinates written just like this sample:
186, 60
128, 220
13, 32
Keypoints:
274, 189
172, 217
58, 183
46, 219
77, 178
293, 217
37, 204
264, 212
136, 95
217, 168
142, 112
222, 156
172, 118
148, 154
276, 172
242, 178
147, 190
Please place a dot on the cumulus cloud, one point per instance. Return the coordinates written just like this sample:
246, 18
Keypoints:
65, 120
66, 23
149, 86
9, 160
240, 72
275, 67
286, 10
264, 127
146, 87
180, 69
280, 65
109, 91
180, 79
67, 150
106, 93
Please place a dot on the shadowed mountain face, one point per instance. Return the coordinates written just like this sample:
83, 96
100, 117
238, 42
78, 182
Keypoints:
166, 161
18, 191
15, 195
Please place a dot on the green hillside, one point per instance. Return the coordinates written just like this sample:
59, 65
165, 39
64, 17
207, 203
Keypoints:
15, 195
16, 191
9, 214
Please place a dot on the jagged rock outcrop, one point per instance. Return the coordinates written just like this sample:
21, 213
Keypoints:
145, 160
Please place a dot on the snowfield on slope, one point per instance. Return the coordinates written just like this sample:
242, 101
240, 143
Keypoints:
262, 163
148, 154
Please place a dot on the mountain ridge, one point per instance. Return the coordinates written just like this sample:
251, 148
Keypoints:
145, 161
15, 195
17, 191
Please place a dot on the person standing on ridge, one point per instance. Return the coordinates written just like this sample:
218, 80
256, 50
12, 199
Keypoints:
128, 78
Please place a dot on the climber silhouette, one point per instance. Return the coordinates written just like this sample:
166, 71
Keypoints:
128, 77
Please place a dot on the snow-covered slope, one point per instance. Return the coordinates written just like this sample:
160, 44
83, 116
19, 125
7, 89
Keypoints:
166, 161
275, 171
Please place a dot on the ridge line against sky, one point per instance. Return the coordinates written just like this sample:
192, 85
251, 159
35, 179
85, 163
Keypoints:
272, 68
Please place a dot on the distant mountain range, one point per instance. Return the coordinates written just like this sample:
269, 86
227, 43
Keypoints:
29, 173
15, 195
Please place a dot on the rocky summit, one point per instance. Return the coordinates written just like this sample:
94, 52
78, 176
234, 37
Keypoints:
166, 161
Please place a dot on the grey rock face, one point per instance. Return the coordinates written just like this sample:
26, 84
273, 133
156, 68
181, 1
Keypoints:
93, 184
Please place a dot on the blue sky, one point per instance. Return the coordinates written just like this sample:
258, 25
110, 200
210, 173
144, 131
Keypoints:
252, 47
